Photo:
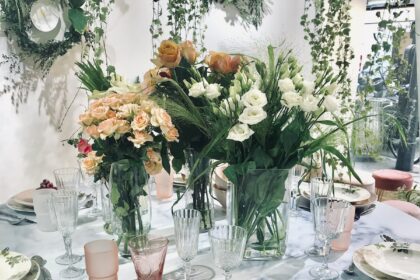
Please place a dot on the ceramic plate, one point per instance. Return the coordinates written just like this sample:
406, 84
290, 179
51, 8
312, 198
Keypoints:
34, 272
396, 259
45, 15
361, 264
342, 191
19, 207
25, 197
13, 266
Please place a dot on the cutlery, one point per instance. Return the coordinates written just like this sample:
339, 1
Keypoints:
387, 238
366, 211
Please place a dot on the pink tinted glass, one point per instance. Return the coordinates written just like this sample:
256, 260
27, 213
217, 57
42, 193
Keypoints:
101, 258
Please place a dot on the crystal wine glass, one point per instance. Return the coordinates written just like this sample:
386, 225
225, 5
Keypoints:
187, 230
67, 178
66, 209
330, 217
227, 246
320, 187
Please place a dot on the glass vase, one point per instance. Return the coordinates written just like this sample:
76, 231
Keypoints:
131, 202
257, 201
197, 195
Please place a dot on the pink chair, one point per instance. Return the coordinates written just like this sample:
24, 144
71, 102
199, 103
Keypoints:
407, 207
391, 180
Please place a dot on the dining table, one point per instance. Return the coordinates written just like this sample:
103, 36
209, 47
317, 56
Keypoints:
29, 240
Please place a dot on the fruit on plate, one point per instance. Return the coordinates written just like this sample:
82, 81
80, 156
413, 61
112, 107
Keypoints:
46, 184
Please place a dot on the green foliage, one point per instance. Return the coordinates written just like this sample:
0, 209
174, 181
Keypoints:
78, 19
92, 76
252, 12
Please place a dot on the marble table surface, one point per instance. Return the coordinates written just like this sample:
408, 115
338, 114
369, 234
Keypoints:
28, 240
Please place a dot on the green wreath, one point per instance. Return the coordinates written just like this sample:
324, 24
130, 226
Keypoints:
17, 24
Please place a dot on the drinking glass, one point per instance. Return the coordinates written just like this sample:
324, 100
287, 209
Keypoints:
42, 199
89, 183
320, 187
187, 230
66, 209
227, 246
148, 256
330, 217
67, 178
101, 258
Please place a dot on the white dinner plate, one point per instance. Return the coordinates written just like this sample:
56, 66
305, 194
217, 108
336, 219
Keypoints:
25, 197
401, 260
12, 204
361, 264
14, 266
45, 15
341, 191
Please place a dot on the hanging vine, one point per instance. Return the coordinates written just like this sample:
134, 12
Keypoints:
327, 31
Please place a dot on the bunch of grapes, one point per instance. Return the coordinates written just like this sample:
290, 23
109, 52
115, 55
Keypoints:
46, 184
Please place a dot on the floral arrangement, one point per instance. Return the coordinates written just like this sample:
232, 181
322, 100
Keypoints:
257, 116
123, 123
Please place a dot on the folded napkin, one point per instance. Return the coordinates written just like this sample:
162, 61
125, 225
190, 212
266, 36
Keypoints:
7, 214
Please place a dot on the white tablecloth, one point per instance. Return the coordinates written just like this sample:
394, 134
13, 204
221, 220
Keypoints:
28, 240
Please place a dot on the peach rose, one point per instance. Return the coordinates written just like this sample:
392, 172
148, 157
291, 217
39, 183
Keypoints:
111, 101
152, 155
222, 62
100, 113
160, 118
95, 103
140, 121
189, 52
92, 131
152, 77
91, 163
128, 110
140, 137
147, 106
152, 167
108, 127
169, 54
86, 119
123, 126
171, 133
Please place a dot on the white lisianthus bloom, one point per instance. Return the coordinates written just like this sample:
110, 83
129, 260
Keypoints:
291, 99
309, 103
254, 97
308, 87
197, 89
286, 85
331, 88
252, 115
212, 91
297, 79
240, 132
330, 103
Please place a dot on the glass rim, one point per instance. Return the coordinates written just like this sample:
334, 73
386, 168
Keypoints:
322, 179
176, 212
345, 203
164, 241
65, 169
64, 193
213, 229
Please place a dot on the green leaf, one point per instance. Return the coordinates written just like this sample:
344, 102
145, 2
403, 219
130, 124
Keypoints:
78, 19
76, 3
115, 195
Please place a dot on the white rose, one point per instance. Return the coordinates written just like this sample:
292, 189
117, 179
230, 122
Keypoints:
297, 79
286, 85
330, 103
240, 132
309, 103
331, 88
308, 87
291, 99
252, 115
254, 97
212, 91
197, 89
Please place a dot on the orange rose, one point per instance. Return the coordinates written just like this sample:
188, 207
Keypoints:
92, 131
222, 62
189, 52
169, 54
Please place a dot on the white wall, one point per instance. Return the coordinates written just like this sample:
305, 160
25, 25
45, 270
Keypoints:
30, 144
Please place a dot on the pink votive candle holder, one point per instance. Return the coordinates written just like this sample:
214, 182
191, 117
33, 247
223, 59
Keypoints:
148, 256
164, 185
101, 258
342, 243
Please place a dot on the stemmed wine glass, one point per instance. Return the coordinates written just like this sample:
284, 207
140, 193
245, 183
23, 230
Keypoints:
67, 179
330, 217
320, 187
227, 246
64, 203
187, 230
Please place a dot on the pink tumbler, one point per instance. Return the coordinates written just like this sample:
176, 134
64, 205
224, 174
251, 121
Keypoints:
101, 258
342, 243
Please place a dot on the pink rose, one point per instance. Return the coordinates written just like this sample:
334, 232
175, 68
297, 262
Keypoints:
84, 147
